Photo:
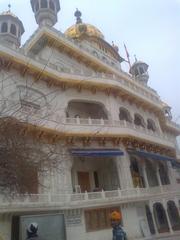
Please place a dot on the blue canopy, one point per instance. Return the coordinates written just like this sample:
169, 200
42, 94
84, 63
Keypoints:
150, 155
96, 152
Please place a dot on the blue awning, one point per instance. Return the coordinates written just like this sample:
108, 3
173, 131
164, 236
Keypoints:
97, 152
150, 155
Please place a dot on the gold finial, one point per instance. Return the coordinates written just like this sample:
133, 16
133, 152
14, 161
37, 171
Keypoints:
78, 15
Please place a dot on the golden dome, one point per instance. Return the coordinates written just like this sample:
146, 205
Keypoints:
80, 29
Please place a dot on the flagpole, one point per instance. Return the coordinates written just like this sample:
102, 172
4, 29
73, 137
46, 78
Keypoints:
127, 55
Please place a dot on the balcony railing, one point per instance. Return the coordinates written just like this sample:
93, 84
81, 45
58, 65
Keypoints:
87, 198
116, 126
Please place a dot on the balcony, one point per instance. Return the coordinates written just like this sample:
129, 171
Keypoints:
108, 127
87, 199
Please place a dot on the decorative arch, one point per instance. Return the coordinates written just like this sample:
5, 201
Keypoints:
160, 218
44, 4
151, 125
87, 109
138, 120
13, 29
51, 5
173, 215
125, 115
4, 27
150, 220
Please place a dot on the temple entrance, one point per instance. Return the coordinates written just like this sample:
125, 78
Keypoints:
94, 174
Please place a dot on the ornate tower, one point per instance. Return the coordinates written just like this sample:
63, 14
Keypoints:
11, 29
140, 71
45, 11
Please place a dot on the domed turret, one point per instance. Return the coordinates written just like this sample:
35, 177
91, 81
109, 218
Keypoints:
45, 11
140, 71
11, 29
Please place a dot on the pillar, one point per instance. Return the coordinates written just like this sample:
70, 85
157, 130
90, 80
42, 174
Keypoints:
158, 176
123, 169
145, 175
155, 226
167, 215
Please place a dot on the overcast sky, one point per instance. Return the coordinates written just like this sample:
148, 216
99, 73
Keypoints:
150, 29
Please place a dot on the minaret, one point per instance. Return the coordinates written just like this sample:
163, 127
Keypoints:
45, 11
11, 29
139, 70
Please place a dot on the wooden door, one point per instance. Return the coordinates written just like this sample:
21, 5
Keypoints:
84, 181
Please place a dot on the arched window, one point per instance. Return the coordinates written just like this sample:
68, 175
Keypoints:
51, 5
150, 220
13, 29
125, 115
4, 27
160, 217
173, 215
138, 120
37, 6
151, 125
136, 72
141, 70
44, 4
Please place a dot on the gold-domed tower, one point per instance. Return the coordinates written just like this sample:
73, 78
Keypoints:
84, 31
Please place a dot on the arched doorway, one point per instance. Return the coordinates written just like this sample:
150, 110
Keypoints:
150, 220
160, 217
173, 215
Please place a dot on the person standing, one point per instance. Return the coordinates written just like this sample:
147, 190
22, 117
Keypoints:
117, 231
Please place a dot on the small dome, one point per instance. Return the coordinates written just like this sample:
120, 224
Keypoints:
77, 30
8, 14
137, 64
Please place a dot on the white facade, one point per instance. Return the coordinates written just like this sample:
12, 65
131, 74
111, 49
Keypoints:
76, 90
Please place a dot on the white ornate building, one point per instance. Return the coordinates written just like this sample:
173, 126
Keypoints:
116, 136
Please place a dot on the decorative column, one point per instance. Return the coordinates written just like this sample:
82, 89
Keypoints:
167, 215
158, 176
123, 169
177, 204
145, 175
154, 221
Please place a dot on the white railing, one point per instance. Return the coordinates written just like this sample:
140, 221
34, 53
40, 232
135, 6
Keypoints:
89, 198
117, 123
